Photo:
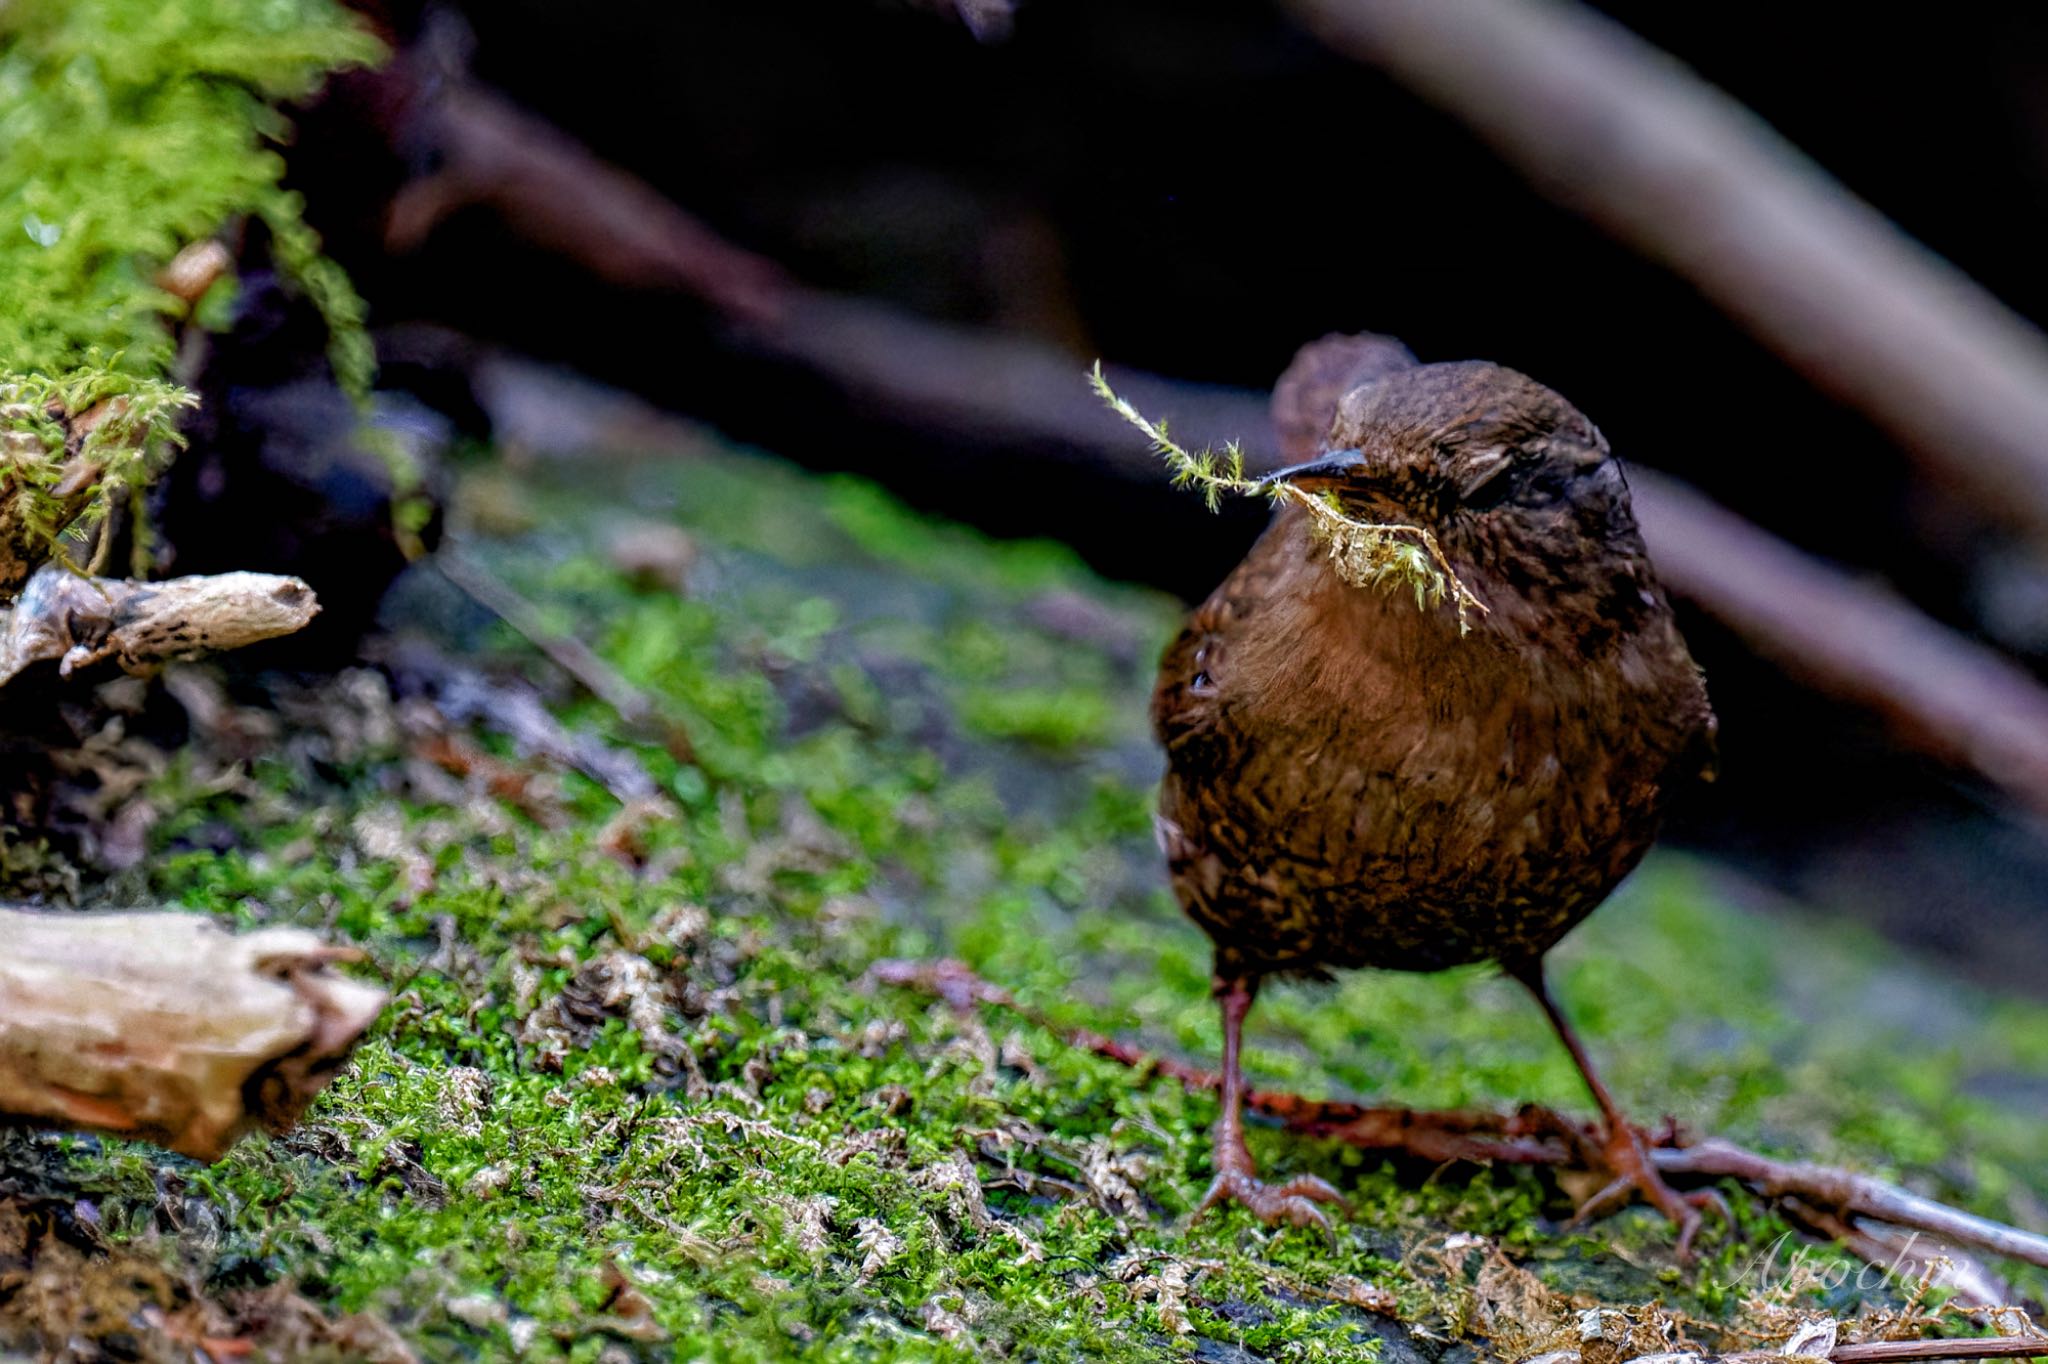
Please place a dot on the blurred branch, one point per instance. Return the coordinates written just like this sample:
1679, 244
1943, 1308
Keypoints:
1611, 127
1852, 640
563, 199
549, 190
634, 707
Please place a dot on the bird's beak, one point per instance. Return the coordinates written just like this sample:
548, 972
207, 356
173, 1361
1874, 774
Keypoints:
1327, 467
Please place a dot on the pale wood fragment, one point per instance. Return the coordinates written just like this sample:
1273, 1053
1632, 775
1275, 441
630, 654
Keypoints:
167, 1028
79, 621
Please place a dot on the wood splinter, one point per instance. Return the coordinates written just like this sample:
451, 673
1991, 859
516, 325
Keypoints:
167, 1028
77, 621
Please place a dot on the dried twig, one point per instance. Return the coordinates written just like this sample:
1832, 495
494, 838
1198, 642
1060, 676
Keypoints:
570, 654
1897, 1351
167, 1028
1851, 1194
512, 708
1904, 1253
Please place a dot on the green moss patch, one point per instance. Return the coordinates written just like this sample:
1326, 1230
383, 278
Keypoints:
637, 1097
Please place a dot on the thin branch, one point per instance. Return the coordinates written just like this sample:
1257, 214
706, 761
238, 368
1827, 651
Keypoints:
1904, 1254
1852, 639
1848, 1192
1609, 126
1896, 1351
464, 695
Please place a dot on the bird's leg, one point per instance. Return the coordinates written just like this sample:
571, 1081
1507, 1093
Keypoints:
1622, 1147
1237, 1179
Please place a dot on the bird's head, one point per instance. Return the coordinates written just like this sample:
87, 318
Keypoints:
1514, 482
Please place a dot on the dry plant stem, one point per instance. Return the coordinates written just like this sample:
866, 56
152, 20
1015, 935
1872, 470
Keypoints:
1533, 1136
512, 708
77, 621
1613, 128
1897, 1351
1972, 1282
167, 1028
566, 652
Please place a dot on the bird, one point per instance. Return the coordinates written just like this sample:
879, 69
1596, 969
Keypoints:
1355, 779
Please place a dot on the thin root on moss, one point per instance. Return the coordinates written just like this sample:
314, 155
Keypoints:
1533, 1135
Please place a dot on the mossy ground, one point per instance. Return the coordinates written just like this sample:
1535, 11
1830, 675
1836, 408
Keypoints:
671, 1072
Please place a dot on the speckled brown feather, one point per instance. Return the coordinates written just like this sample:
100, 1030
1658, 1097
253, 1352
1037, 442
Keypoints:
1350, 782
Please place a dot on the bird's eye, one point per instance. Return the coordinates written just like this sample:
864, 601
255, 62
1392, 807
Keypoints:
1493, 488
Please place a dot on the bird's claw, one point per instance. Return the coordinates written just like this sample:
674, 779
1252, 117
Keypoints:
1293, 1203
1634, 1174
1689, 1227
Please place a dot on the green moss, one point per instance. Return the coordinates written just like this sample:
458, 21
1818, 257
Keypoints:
681, 1068
53, 485
883, 527
1053, 719
130, 129
133, 127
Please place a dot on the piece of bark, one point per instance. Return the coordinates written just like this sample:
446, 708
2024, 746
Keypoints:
78, 621
167, 1028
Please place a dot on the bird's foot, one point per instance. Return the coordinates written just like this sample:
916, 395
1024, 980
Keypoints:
1293, 1203
1635, 1175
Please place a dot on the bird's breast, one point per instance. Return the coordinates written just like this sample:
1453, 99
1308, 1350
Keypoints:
1413, 808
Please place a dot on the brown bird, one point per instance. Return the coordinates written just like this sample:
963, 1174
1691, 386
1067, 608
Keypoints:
1352, 782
